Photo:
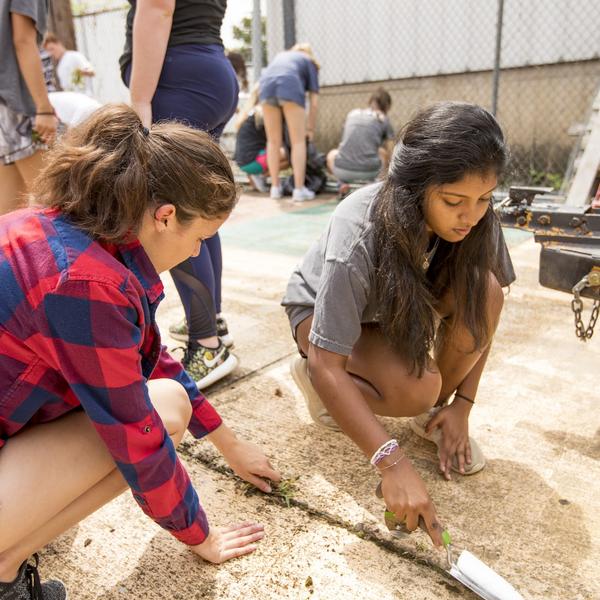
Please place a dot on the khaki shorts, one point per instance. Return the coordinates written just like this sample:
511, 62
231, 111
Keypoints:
15, 136
296, 314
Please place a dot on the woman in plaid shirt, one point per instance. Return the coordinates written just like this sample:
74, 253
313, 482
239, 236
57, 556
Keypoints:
83, 376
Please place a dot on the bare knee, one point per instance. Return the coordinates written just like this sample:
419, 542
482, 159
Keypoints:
331, 159
412, 398
495, 296
183, 412
174, 407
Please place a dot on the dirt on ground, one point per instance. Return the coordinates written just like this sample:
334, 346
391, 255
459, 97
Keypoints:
533, 514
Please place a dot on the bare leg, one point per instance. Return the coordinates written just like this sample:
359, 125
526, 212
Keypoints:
387, 384
295, 119
81, 477
331, 158
30, 167
12, 189
381, 374
284, 162
459, 363
274, 129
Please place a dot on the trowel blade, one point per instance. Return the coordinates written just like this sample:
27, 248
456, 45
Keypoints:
471, 585
481, 579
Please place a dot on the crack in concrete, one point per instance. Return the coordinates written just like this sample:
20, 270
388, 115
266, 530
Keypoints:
228, 383
360, 530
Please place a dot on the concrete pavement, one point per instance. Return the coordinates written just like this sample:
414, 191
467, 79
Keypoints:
533, 514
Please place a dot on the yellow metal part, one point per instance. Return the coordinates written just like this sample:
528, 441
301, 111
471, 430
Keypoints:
594, 277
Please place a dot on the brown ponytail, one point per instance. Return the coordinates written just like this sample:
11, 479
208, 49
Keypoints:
106, 172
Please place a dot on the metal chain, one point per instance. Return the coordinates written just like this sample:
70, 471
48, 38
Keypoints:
582, 332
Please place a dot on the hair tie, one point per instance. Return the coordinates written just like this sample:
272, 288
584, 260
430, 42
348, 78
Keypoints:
145, 131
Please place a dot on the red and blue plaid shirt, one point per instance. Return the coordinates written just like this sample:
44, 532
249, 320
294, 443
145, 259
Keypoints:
77, 328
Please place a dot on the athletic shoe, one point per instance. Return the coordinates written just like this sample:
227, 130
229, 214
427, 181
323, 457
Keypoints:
418, 424
223, 332
179, 332
259, 183
27, 585
207, 365
302, 194
318, 412
276, 192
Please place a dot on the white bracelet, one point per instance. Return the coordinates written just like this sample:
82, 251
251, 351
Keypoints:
383, 451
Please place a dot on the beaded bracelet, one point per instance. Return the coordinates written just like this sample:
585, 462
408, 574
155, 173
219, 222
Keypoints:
383, 451
458, 395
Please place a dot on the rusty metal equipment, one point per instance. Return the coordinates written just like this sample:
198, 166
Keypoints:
570, 240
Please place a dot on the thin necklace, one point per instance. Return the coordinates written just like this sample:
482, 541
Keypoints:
429, 255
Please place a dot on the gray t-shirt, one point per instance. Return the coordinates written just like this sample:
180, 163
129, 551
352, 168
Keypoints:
337, 275
364, 132
13, 90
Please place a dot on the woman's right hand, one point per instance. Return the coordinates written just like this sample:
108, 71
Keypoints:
45, 126
406, 496
225, 543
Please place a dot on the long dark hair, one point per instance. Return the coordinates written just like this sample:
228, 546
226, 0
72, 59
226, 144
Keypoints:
441, 144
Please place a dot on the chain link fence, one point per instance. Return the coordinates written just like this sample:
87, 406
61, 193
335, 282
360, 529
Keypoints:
536, 63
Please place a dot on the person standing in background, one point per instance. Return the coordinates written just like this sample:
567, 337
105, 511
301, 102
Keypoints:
27, 119
283, 88
73, 69
175, 67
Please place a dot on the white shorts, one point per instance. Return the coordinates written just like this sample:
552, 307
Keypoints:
16, 130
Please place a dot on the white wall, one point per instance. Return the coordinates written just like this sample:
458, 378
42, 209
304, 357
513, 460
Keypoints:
101, 38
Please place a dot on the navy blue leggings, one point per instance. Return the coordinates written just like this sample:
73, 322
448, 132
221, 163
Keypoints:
197, 86
198, 281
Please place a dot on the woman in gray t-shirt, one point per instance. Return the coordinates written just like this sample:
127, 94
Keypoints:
367, 141
394, 309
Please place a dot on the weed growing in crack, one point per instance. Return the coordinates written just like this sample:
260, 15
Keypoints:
286, 489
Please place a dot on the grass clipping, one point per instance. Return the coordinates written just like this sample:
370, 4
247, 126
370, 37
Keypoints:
284, 491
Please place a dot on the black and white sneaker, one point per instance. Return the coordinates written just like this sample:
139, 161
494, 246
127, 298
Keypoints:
207, 365
223, 332
27, 585
180, 332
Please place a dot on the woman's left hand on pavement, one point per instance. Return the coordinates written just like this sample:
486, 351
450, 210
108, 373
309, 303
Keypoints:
453, 421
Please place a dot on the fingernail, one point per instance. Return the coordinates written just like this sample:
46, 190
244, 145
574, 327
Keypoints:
268, 489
